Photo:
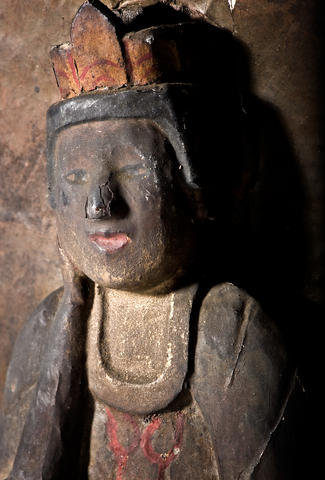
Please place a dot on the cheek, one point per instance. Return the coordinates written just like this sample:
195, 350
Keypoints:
71, 238
70, 221
71, 203
148, 194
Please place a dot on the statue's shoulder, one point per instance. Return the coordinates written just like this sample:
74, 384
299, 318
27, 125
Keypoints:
230, 319
28, 350
224, 297
242, 379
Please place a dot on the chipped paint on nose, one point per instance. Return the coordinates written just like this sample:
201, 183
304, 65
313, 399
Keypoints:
99, 201
232, 4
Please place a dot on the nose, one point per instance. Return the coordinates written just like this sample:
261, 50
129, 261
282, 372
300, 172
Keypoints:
99, 201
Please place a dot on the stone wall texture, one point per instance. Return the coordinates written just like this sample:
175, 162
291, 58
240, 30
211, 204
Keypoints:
284, 41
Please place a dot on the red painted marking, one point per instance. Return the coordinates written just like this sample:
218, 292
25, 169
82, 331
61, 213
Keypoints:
64, 91
108, 78
121, 453
73, 70
146, 438
162, 460
102, 61
61, 73
147, 56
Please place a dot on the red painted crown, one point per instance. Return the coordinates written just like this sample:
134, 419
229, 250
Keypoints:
97, 58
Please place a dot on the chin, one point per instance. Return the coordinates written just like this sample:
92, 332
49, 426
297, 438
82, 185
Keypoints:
131, 276
132, 283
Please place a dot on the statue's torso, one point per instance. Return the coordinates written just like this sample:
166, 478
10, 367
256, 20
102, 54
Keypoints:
219, 422
141, 342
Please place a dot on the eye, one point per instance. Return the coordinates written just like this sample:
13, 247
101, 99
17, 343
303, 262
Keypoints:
133, 171
77, 177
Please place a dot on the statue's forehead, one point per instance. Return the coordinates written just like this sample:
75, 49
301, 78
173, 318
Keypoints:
108, 134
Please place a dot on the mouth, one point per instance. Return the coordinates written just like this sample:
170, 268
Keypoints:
110, 242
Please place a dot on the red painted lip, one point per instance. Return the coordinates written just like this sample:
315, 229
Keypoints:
110, 242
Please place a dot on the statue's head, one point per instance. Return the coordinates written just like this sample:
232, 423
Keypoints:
125, 162
120, 192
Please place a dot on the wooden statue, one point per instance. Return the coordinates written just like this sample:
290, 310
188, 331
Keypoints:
147, 364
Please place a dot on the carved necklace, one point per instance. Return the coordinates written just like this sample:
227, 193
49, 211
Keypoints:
139, 397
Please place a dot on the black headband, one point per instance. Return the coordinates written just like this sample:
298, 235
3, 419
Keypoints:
167, 105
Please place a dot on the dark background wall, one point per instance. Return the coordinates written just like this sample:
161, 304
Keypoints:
284, 42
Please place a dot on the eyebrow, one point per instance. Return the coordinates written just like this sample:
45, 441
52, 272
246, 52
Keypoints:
127, 168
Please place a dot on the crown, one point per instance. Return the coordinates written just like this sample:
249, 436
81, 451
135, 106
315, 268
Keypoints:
98, 57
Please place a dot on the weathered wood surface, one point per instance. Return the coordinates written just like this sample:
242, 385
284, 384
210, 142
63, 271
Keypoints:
284, 44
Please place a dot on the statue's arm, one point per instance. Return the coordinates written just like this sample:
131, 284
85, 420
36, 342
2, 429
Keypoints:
51, 431
22, 378
243, 383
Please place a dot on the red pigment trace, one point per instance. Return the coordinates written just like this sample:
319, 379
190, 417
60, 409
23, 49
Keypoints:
162, 460
121, 453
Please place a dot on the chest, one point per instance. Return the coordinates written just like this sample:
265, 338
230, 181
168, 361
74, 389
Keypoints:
137, 362
167, 446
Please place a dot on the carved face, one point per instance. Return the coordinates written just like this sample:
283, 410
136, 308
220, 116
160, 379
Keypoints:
120, 214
